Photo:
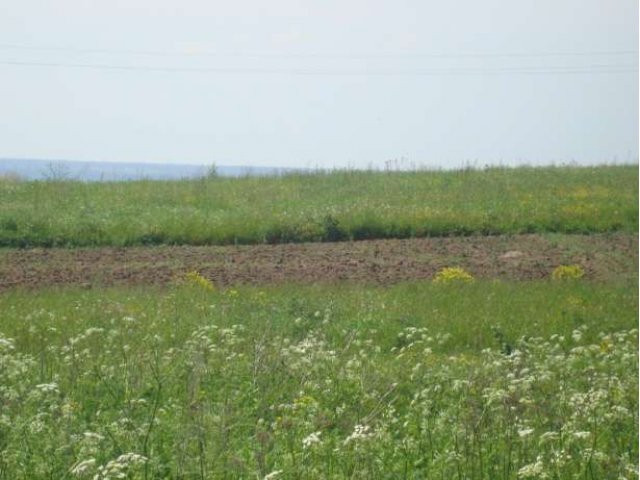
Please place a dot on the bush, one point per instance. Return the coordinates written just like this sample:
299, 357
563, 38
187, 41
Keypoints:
567, 272
452, 274
195, 279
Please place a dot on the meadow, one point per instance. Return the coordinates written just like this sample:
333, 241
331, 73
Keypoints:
523, 366
464, 380
341, 205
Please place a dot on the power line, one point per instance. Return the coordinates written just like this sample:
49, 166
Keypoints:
363, 55
537, 70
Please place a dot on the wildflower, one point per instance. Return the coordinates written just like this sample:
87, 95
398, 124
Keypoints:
195, 279
533, 470
6, 344
360, 432
304, 400
48, 387
91, 436
311, 440
452, 274
117, 468
81, 468
273, 475
90, 331
549, 437
525, 432
567, 272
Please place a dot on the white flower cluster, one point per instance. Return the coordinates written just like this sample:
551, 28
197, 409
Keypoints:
360, 433
311, 440
118, 467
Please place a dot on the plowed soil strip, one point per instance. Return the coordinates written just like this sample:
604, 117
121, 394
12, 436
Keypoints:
521, 257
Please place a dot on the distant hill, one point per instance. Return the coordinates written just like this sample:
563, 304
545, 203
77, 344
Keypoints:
38, 169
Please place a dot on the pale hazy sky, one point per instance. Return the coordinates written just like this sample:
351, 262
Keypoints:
325, 83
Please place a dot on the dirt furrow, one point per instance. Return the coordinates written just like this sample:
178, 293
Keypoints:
518, 257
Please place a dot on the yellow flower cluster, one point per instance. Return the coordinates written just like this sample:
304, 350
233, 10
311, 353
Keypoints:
452, 274
195, 279
567, 272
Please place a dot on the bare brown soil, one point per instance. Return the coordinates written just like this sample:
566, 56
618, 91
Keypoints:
518, 257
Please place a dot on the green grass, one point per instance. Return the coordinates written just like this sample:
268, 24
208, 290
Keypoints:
474, 380
320, 207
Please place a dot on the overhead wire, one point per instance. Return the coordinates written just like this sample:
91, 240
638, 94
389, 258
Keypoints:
531, 70
591, 68
351, 55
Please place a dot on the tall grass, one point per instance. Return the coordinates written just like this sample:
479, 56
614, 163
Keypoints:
320, 207
474, 380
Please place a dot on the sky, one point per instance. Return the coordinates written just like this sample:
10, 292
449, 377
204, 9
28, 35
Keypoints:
337, 83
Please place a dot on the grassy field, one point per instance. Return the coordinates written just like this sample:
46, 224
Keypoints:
464, 380
516, 374
320, 207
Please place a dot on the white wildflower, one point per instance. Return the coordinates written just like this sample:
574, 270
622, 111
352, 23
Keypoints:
549, 437
596, 455
81, 468
48, 387
92, 330
273, 475
533, 470
311, 440
525, 432
360, 432
131, 458
6, 344
117, 468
